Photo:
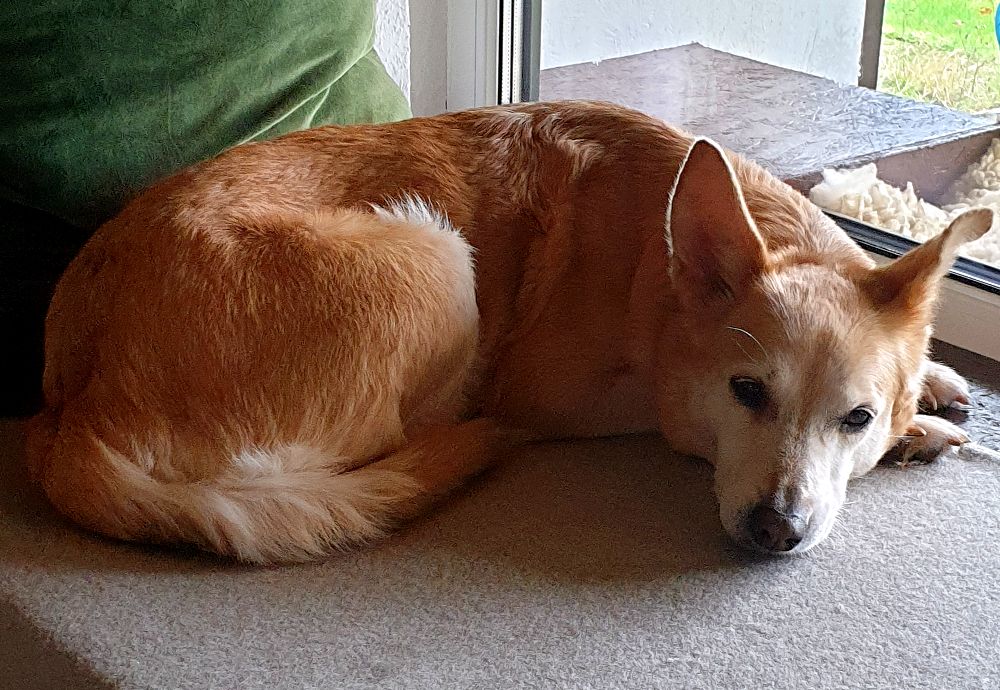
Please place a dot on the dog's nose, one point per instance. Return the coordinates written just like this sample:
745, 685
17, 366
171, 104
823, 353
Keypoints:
774, 531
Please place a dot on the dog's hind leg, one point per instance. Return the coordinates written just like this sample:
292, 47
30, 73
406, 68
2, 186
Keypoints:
256, 453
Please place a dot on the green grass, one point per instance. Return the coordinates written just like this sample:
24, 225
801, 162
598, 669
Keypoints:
943, 51
965, 25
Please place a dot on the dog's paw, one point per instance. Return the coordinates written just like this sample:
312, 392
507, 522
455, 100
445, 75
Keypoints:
943, 388
927, 438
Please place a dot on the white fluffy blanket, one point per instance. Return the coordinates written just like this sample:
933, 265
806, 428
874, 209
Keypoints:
860, 194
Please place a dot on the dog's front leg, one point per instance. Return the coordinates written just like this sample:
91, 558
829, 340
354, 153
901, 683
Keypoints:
928, 437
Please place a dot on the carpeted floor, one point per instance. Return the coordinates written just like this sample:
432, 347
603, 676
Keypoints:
585, 565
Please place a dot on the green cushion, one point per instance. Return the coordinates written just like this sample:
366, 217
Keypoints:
101, 98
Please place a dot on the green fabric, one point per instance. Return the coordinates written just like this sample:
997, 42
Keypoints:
101, 98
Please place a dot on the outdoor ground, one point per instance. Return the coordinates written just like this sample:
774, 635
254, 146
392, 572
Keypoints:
944, 51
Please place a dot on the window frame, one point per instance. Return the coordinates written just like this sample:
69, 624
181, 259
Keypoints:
473, 53
871, 43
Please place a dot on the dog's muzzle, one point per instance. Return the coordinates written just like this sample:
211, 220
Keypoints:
773, 531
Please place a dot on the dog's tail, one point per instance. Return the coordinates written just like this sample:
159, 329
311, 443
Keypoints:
284, 504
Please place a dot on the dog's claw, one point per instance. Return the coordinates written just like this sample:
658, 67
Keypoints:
943, 388
926, 439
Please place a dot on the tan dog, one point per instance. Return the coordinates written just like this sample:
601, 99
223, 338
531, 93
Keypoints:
283, 351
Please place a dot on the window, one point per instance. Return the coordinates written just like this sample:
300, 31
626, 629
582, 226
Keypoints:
778, 82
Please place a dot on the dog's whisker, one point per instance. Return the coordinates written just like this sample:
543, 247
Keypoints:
744, 351
752, 337
812, 553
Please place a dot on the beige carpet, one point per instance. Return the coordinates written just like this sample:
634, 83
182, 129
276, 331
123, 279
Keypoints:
590, 565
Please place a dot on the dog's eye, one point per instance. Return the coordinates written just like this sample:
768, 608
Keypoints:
857, 419
750, 393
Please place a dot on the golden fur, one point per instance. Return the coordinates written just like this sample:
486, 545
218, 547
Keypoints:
289, 348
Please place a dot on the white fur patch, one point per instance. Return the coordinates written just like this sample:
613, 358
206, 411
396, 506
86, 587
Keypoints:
414, 210
289, 503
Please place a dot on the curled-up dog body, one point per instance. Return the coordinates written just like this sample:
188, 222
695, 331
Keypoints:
295, 346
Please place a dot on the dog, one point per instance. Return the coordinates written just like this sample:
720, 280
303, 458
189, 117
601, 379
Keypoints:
293, 347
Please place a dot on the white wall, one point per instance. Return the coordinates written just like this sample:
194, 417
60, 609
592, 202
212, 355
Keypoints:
821, 37
392, 40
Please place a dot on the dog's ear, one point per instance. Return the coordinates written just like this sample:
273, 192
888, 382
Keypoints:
909, 285
716, 248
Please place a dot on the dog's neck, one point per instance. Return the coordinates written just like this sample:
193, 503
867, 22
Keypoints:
657, 320
649, 297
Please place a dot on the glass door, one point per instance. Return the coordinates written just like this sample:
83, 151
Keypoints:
780, 83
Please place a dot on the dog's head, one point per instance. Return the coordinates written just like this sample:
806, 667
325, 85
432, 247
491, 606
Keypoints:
804, 364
